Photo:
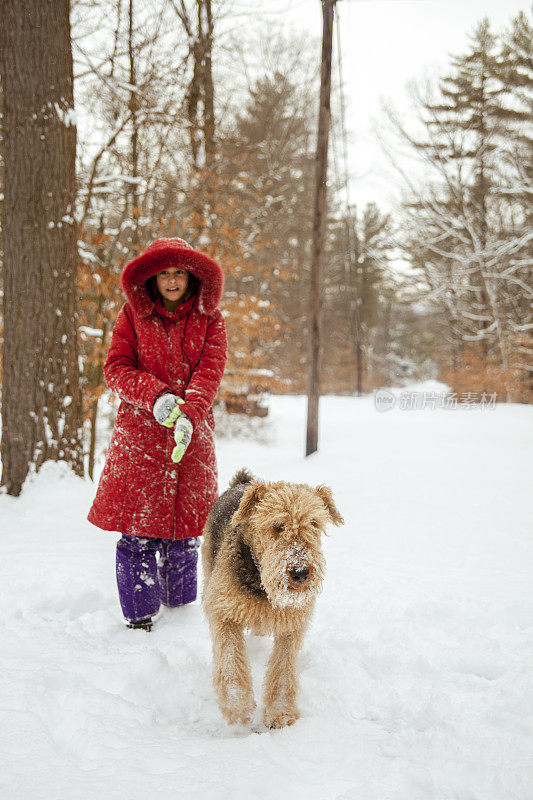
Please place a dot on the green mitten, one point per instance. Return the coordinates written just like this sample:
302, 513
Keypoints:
174, 414
182, 436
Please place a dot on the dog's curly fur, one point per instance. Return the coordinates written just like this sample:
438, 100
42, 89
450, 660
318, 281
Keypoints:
263, 568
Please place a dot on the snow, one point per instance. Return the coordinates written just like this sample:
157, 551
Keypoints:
416, 679
117, 176
68, 116
88, 331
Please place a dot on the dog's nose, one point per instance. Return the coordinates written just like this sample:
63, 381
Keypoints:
299, 575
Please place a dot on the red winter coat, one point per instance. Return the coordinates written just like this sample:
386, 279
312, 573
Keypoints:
141, 491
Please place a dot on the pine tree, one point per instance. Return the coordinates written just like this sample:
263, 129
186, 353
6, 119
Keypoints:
463, 129
514, 70
466, 224
268, 161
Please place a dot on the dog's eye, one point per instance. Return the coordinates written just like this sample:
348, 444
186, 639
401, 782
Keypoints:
277, 526
314, 523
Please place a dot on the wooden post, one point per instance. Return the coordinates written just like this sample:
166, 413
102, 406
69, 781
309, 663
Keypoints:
321, 169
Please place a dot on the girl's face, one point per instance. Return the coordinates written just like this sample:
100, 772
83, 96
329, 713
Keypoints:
172, 285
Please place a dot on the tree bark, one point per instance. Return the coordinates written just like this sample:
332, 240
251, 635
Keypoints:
200, 96
133, 106
209, 93
318, 227
195, 91
92, 440
41, 399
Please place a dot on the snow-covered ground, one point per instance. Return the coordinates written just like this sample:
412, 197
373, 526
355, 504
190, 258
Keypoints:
416, 675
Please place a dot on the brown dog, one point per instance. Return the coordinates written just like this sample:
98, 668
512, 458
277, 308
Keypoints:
263, 567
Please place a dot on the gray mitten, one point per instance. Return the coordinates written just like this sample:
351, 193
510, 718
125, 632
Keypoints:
166, 409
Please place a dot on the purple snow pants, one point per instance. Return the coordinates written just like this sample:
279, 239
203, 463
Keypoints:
144, 582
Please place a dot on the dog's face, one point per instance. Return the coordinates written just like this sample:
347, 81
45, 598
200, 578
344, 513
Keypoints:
283, 527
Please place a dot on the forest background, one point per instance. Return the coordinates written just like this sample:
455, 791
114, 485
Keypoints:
167, 145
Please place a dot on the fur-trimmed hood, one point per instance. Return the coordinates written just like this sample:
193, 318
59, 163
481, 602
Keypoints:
173, 252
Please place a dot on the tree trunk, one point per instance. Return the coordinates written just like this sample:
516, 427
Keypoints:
195, 91
96, 379
133, 107
209, 94
41, 400
359, 356
318, 227
201, 90
93, 417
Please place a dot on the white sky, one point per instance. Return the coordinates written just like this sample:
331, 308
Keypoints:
386, 43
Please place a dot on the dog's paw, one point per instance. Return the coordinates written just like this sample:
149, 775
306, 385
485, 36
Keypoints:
238, 713
280, 718
237, 704
235, 715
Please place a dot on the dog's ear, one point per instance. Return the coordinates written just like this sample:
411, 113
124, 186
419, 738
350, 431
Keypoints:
326, 495
253, 494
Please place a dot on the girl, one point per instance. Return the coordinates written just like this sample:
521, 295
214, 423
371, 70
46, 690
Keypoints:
165, 362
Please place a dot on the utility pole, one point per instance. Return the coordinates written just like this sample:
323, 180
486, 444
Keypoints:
321, 172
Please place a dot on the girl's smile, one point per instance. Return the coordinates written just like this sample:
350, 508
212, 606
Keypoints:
172, 284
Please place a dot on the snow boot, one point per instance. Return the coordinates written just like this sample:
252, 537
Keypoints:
142, 624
